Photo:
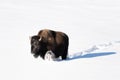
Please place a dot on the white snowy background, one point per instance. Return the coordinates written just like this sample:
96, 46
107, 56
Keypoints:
93, 27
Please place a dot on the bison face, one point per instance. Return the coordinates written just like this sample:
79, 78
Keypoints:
36, 45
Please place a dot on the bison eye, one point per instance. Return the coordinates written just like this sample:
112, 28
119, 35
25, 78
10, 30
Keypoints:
33, 39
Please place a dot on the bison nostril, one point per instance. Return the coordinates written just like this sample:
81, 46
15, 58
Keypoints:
35, 55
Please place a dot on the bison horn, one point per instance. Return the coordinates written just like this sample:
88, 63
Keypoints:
40, 39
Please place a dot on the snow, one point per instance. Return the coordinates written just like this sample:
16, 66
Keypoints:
93, 29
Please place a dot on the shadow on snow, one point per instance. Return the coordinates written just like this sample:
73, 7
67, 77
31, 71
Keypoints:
90, 55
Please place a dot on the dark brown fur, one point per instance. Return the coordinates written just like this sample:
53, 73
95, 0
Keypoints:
55, 41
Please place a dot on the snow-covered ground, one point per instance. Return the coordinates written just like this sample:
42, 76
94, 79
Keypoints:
93, 29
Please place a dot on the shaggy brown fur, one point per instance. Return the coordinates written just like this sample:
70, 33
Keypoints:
55, 41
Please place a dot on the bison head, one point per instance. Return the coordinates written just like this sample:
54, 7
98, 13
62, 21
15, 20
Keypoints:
37, 46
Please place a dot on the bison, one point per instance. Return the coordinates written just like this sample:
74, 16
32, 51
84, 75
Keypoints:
49, 40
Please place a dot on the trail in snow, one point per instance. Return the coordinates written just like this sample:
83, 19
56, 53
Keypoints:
89, 52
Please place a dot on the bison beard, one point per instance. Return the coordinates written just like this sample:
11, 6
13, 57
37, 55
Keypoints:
49, 40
